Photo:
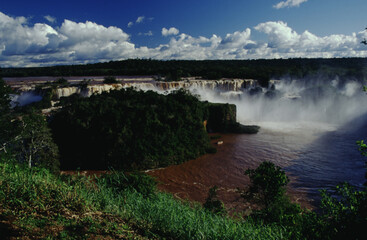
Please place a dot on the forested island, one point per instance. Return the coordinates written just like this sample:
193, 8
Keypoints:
127, 130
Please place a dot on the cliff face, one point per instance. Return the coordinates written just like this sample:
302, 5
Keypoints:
221, 117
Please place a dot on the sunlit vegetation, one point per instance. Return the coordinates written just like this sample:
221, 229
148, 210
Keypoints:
39, 204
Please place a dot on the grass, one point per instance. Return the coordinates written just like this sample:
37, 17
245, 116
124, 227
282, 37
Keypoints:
39, 205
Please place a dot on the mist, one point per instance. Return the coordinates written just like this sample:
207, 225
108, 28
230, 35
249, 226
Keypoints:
325, 105
24, 98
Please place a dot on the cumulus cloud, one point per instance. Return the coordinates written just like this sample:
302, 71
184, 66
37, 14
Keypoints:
283, 41
289, 3
70, 43
24, 44
172, 31
130, 24
50, 19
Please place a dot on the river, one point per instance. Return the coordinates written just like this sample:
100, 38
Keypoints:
313, 141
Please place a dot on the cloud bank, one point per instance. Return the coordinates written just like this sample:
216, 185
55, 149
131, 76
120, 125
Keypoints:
289, 3
24, 44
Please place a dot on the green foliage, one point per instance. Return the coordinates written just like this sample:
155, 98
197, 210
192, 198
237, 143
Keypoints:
167, 218
35, 145
362, 147
110, 80
267, 183
8, 128
213, 204
36, 189
142, 183
5, 92
130, 129
344, 213
79, 208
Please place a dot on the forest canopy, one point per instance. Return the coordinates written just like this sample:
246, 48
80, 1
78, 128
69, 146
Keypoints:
130, 129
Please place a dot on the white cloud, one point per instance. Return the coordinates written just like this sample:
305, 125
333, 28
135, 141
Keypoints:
149, 33
289, 3
172, 31
50, 19
237, 39
285, 42
24, 44
140, 19
21, 44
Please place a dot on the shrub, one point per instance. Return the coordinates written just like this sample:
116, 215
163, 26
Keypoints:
213, 204
140, 182
267, 183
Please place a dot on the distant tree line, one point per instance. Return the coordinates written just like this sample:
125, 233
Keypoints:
174, 70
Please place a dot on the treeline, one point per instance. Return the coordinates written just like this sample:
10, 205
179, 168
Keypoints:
261, 69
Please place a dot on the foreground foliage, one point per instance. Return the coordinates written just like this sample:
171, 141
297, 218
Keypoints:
342, 215
39, 204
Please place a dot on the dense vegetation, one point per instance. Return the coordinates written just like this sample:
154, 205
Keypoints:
37, 204
261, 69
130, 129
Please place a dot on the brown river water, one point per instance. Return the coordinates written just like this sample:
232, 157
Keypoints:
314, 156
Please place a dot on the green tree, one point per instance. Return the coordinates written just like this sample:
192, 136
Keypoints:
267, 183
35, 145
268, 190
8, 125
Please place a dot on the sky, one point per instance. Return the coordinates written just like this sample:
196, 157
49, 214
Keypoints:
44, 32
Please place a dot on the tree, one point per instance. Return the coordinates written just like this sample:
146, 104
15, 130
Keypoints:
8, 126
268, 189
267, 183
35, 145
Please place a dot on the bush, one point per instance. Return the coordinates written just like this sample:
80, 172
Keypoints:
267, 183
344, 213
142, 183
213, 204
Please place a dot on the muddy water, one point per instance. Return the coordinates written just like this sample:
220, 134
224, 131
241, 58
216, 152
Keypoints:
314, 156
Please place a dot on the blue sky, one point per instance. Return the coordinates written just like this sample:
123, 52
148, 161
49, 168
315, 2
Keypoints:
39, 33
